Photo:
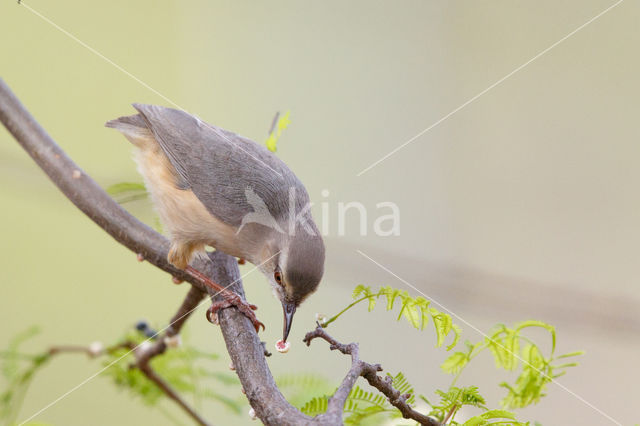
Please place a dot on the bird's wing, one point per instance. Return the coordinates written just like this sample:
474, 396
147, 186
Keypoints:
220, 166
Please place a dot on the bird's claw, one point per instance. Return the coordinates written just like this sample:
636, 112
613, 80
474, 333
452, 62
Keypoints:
231, 300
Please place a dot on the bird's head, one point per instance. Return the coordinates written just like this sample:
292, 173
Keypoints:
295, 272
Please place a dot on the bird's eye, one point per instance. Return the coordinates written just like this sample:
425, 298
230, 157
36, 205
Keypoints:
278, 276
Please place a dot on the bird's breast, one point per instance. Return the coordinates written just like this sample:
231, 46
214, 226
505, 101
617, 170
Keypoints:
182, 214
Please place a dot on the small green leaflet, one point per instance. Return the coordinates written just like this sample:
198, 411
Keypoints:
362, 404
276, 131
125, 192
417, 311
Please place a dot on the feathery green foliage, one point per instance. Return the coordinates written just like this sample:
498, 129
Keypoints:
183, 368
456, 398
18, 370
361, 405
186, 369
316, 405
510, 350
416, 311
301, 387
194, 373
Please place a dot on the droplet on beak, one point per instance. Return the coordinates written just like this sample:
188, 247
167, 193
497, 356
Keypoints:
282, 346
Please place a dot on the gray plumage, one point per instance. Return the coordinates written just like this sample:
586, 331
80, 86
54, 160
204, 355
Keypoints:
218, 165
232, 177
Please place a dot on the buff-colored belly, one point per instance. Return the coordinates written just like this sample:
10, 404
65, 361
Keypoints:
188, 222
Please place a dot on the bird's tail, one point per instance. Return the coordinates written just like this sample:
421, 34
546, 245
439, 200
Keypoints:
134, 128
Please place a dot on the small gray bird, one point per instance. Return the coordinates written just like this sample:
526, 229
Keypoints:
213, 187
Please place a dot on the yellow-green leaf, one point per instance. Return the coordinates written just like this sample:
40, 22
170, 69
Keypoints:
455, 363
412, 315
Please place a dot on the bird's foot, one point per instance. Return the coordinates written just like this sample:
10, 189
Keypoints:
229, 299
233, 300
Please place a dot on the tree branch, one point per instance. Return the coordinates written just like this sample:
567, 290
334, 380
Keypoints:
243, 344
370, 373
144, 355
245, 348
247, 352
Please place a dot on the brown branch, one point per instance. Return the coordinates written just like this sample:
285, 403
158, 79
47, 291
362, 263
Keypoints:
370, 373
150, 374
450, 414
245, 348
247, 352
144, 354
243, 344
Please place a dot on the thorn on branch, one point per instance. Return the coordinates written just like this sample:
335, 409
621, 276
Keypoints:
266, 351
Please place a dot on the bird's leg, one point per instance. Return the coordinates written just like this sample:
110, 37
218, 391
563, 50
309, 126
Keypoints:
230, 299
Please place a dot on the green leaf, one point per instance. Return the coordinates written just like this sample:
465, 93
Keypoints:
534, 323
361, 404
415, 310
529, 386
122, 187
456, 336
300, 387
471, 396
274, 136
455, 363
570, 364
483, 419
10, 364
412, 315
272, 142
391, 294
17, 375
402, 385
454, 399
126, 192
185, 369
505, 346
315, 406
360, 414
422, 306
534, 359
570, 354
284, 122
372, 303
442, 324
361, 291
498, 414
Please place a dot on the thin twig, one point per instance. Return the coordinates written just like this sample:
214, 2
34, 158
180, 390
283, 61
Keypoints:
143, 363
370, 373
450, 414
150, 373
144, 354
274, 122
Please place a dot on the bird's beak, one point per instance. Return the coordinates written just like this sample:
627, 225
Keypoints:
289, 309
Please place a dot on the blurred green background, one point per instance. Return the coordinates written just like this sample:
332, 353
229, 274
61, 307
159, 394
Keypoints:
522, 205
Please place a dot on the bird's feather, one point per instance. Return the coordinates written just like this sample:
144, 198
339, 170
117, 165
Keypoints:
219, 166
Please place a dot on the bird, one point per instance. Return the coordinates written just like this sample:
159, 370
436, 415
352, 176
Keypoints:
212, 187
